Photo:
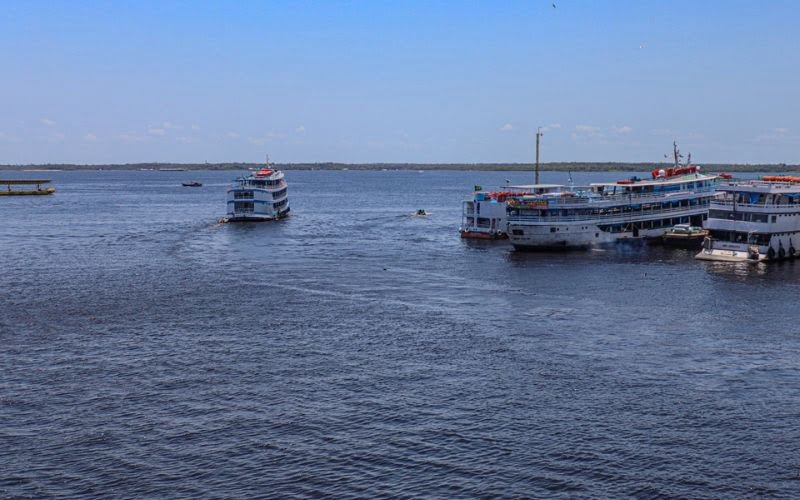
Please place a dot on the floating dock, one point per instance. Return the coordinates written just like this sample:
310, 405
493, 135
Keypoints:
25, 182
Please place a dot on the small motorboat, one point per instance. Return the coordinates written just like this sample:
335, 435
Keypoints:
192, 184
684, 236
421, 213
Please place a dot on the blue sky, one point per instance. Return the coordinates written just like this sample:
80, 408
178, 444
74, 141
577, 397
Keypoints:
411, 81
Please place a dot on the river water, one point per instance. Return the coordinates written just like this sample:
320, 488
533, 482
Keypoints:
356, 350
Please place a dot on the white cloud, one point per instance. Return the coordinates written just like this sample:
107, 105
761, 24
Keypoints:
778, 135
552, 126
623, 129
232, 135
195, 126
157, 131
507, 128
587, 131
185, 140
47, 122
8, 138
131, 137
89, 137
300, 129
267, 138
57, 137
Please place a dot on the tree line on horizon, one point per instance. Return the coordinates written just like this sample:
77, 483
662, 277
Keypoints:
551, 166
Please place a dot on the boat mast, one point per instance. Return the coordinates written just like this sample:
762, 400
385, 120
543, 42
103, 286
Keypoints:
536, 170
676, 154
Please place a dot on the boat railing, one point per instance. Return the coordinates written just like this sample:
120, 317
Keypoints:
731, 203
567, 201
606, 218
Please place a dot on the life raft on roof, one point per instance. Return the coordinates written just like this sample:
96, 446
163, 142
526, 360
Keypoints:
674, 172
264, 172
780, 178
501, 196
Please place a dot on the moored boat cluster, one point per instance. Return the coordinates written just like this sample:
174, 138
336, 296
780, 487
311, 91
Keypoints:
726, 219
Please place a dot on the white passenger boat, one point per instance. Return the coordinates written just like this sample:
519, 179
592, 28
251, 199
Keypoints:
754, 220
260, 196
485, 215
607, 212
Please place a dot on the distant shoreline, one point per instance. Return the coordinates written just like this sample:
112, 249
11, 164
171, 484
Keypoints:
521, 167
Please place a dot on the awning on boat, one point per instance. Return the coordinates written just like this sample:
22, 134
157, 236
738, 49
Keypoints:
17, 182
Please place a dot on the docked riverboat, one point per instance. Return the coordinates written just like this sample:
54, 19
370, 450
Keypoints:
261, 196
754, 220
485, 215
608, 212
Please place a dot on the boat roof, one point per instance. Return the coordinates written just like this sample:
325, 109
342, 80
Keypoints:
657, 182
759, 186
535, 186
17, 182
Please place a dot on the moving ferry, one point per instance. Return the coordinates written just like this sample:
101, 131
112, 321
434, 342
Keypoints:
754, 220
260, 196
612, 211
485, 216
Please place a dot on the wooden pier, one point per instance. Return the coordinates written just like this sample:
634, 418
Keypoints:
25, 182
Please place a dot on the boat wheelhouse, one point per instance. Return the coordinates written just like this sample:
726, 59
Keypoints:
485, 216
754, 220
261, 196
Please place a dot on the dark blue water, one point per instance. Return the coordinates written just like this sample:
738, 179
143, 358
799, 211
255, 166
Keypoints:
354, 350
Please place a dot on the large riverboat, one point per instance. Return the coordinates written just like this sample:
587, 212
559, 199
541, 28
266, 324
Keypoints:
754, 220
608, 212
485, 215
261, 196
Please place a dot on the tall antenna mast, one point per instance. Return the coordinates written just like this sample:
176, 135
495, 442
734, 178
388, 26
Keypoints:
536, 170
676, 153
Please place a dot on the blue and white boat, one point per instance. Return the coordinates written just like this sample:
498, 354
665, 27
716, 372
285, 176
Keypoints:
607, 212
261, 196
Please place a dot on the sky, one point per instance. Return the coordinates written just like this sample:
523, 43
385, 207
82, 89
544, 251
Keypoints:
387, 81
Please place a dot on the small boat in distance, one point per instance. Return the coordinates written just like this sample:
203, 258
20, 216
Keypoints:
194, 184
261, 196
684, 236
25, 192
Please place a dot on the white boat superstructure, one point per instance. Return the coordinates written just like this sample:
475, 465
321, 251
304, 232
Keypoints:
608, 212
485, 215
754, 220
259, 196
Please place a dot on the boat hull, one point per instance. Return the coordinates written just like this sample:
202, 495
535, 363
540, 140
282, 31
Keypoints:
29, 192
729, 256
579, 236
478, 235
256, 217
692, 242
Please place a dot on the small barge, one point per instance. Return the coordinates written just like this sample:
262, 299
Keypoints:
25, 192
684, 236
